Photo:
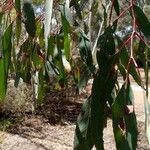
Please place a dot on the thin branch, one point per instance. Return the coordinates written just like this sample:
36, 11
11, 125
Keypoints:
122, 13
90, 22
142, 38
134, 28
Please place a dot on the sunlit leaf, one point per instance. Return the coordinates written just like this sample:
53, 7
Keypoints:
66, 28
6, 46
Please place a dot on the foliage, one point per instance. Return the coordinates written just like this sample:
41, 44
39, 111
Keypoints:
38, 47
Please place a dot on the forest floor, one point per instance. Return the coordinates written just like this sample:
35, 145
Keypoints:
52, 128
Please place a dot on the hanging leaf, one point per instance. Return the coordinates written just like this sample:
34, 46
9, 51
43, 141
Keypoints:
41, 86
3, 81
106, 42
103, 85
42, 41
116, 7
142, 21
130, 119
51, 45
59, 59
124, 121
85, 51
82, 139
117, 115
23, 68
5, 60
37, 56
1, 16
140, 55
66, 30
7, 46
84, 77
29, 18
131, 130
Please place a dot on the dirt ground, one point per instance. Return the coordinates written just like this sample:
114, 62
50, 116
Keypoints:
53, 128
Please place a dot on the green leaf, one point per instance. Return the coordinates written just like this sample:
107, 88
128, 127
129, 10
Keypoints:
7, 46
59, 59
117, 115
116, 7
121, 143
141, 54
1, 16
51, 45
85, 51
29, 18
41, 37
41, 87
119, 104
103, 85
84, 77
18, 6
37, 56
106, 42
135, 74
82, 139
5, 61
123, 119
3, 81
131, 133
23, 63
130, 119
142, 21
66, 30
38, 28
122, 70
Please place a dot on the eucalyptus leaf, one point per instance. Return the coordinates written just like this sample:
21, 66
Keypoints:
29, 18
5, 61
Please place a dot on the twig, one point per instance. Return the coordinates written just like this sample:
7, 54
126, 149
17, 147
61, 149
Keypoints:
90, 22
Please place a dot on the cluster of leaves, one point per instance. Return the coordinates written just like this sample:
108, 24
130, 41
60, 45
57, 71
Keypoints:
36, 48
27, 53
114, 57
